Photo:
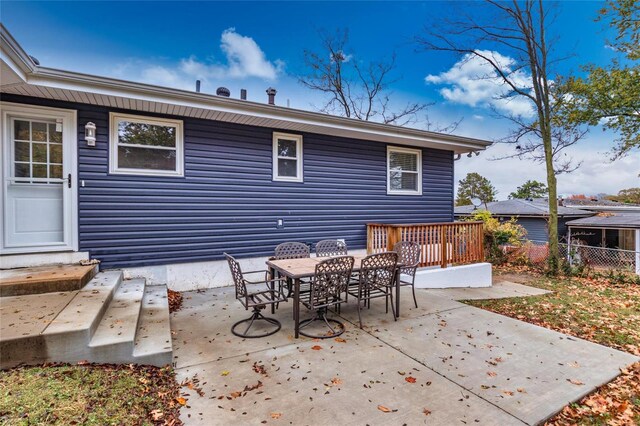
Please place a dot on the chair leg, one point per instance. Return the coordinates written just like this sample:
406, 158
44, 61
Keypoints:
256, 316
359, 317
413, 290
393, 309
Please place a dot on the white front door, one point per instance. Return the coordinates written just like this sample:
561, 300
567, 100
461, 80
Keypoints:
38, 179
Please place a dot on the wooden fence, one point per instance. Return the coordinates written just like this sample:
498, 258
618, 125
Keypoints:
442, 244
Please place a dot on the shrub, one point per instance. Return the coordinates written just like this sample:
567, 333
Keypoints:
499, 234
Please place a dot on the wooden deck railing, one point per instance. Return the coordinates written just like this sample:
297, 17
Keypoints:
442, 244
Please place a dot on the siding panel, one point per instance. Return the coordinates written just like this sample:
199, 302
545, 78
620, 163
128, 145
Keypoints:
227, 200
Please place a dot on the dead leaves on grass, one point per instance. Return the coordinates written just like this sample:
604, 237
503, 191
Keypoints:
611, 404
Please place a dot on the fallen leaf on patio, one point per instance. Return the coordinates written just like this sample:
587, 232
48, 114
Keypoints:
336, 382
340, 340
181, 400
521, 390
410, 379
402, 373
574, 364
276, 415
384, 409
225, 373
426, 412
575, 382
507, 392
236, 394
316, 347
492, 373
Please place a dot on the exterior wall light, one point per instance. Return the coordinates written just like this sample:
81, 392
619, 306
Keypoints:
90, 134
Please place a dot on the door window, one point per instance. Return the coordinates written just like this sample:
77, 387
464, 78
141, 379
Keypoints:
37, 151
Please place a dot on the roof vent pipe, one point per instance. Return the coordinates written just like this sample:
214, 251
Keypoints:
198, 86
223, 91
271, 92
243, 94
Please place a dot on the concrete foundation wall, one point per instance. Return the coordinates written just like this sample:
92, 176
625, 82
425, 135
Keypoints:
213, 274
474, 275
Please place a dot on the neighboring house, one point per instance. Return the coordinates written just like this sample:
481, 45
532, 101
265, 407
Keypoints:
532, 214
161, 182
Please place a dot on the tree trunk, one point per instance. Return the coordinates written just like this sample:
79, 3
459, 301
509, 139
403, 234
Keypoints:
554, 254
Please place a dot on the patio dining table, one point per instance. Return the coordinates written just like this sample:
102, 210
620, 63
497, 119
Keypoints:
297, 269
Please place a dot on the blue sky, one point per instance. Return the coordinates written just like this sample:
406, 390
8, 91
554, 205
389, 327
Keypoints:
254, 45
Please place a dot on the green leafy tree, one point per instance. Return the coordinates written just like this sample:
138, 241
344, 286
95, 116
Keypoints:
611, 95
475, 185
629, 195
530, 189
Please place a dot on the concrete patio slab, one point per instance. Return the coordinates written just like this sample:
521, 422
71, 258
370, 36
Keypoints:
337, 384
500, 290
482, 367
29, 315
529, 371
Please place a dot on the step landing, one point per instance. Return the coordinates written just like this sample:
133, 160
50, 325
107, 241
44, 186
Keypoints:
45, 279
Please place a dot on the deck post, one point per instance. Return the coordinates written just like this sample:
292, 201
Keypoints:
443, 246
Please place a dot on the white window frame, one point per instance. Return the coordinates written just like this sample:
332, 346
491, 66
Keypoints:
299, 170
417, 152
115, 118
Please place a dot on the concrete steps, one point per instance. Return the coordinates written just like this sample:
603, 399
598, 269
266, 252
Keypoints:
110, 320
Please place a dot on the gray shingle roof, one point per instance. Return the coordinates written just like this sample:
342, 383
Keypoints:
517, 207
609, 220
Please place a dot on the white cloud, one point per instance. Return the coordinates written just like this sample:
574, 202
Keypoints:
596, 175
474, 82
244, 59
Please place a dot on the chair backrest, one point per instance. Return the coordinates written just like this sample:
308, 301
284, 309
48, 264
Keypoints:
408, 255
327, 248
331, 279
292, 250
236, 274
378, 270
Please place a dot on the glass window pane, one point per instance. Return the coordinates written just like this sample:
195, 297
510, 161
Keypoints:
403, 161
146, 134
146, 158
55, 171
22, 151
39, 131
55, 153
395, 180
39, 170
54, 136
22, 170
287, 148
287, 168
410, 181
21, 130
39, 151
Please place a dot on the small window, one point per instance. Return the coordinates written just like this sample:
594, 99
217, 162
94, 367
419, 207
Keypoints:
404, 171
287, 157
146, 145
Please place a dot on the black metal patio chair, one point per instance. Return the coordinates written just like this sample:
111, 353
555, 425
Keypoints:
409, 258
326, 289
328, 248
377, 279
256, 300
293, 250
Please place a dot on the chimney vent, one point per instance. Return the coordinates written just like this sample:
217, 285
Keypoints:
243, 94
271, 92
198, 86
223, 91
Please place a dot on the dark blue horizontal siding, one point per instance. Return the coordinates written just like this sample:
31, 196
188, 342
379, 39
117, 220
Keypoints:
227, 200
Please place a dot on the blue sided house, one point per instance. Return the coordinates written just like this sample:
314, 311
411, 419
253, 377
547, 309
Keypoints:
159, 182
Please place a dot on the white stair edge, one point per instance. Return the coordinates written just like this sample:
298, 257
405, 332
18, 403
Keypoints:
120, 321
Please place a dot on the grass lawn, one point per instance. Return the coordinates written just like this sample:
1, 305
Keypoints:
595, 309
89, 395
